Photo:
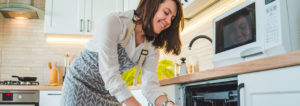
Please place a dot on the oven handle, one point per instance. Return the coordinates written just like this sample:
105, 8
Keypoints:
54, 93
240, 86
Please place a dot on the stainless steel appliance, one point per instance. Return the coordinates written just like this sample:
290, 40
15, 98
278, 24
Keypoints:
221, 92
10, 82
19, 97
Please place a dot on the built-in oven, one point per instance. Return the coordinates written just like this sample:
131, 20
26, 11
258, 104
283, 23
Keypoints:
220, 92
19, 98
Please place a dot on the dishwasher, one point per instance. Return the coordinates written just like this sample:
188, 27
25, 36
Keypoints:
221, 92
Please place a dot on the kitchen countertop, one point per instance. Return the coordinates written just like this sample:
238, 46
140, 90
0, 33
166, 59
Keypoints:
39, 87
279, 61
44, 87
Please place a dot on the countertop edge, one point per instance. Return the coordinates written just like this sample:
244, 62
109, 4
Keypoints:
273, 62
39, 87
45, 87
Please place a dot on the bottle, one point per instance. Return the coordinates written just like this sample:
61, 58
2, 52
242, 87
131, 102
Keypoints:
191, 69
183, 68
196, 66
67, 63
176, 69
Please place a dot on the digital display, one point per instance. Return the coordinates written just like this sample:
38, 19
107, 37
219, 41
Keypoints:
7, 96
236, 30
268, 1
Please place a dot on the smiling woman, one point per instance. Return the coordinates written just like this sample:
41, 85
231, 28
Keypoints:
163, 26
122, 41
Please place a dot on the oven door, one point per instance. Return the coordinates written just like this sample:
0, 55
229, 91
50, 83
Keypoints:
19, 98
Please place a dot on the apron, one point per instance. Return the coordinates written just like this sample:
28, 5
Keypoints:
83, 84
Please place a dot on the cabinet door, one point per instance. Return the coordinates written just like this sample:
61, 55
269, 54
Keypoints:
276, 87
63, 16
100, 9
131, 4
50, 98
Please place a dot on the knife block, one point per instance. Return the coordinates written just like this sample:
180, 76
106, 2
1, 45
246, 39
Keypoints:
53, 76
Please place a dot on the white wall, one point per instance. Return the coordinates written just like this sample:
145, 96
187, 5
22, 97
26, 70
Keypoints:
25, 52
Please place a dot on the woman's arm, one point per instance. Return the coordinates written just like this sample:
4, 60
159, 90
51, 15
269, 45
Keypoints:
131, 101
108, 34
150, 85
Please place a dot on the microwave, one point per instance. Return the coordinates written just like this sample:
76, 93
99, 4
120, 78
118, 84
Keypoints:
256, 29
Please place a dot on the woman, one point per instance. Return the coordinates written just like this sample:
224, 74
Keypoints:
94, 77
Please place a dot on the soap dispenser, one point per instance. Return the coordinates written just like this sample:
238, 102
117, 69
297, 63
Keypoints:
183, 69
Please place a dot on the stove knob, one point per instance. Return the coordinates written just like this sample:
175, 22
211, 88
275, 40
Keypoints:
20, 96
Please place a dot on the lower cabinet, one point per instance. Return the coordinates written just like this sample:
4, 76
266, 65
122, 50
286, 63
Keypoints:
276, 87
50, 98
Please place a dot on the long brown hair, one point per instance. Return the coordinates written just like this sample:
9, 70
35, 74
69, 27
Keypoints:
168, 39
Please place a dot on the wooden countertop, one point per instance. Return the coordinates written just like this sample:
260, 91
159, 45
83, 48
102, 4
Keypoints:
44, 87
39, 87
279, 61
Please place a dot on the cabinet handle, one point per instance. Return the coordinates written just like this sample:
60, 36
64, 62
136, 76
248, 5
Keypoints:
88, 25
240, 86
54, 93
81, 25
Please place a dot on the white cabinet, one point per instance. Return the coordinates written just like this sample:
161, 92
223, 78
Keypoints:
276, 87
131, 4
50, 98
77, 16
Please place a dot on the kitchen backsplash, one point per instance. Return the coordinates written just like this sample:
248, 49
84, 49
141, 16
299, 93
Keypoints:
201, 50
25, 52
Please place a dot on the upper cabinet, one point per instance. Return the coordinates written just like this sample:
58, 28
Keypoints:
131, 4
194, 7
77, 17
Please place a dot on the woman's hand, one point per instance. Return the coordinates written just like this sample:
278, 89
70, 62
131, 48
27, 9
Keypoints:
131, 101
170, 104
159, 101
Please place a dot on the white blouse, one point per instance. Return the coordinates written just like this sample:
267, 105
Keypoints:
108, 34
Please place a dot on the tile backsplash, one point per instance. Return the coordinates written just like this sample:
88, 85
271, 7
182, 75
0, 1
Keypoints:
25, 52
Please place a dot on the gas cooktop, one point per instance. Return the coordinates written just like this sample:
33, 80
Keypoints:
10, 82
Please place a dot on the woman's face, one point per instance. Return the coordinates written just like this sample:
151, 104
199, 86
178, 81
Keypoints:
163, 17
242, 30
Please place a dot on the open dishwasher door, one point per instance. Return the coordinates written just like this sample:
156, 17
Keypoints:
220, 92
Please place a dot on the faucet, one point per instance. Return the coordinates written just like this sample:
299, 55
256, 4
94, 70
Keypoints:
198, 37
